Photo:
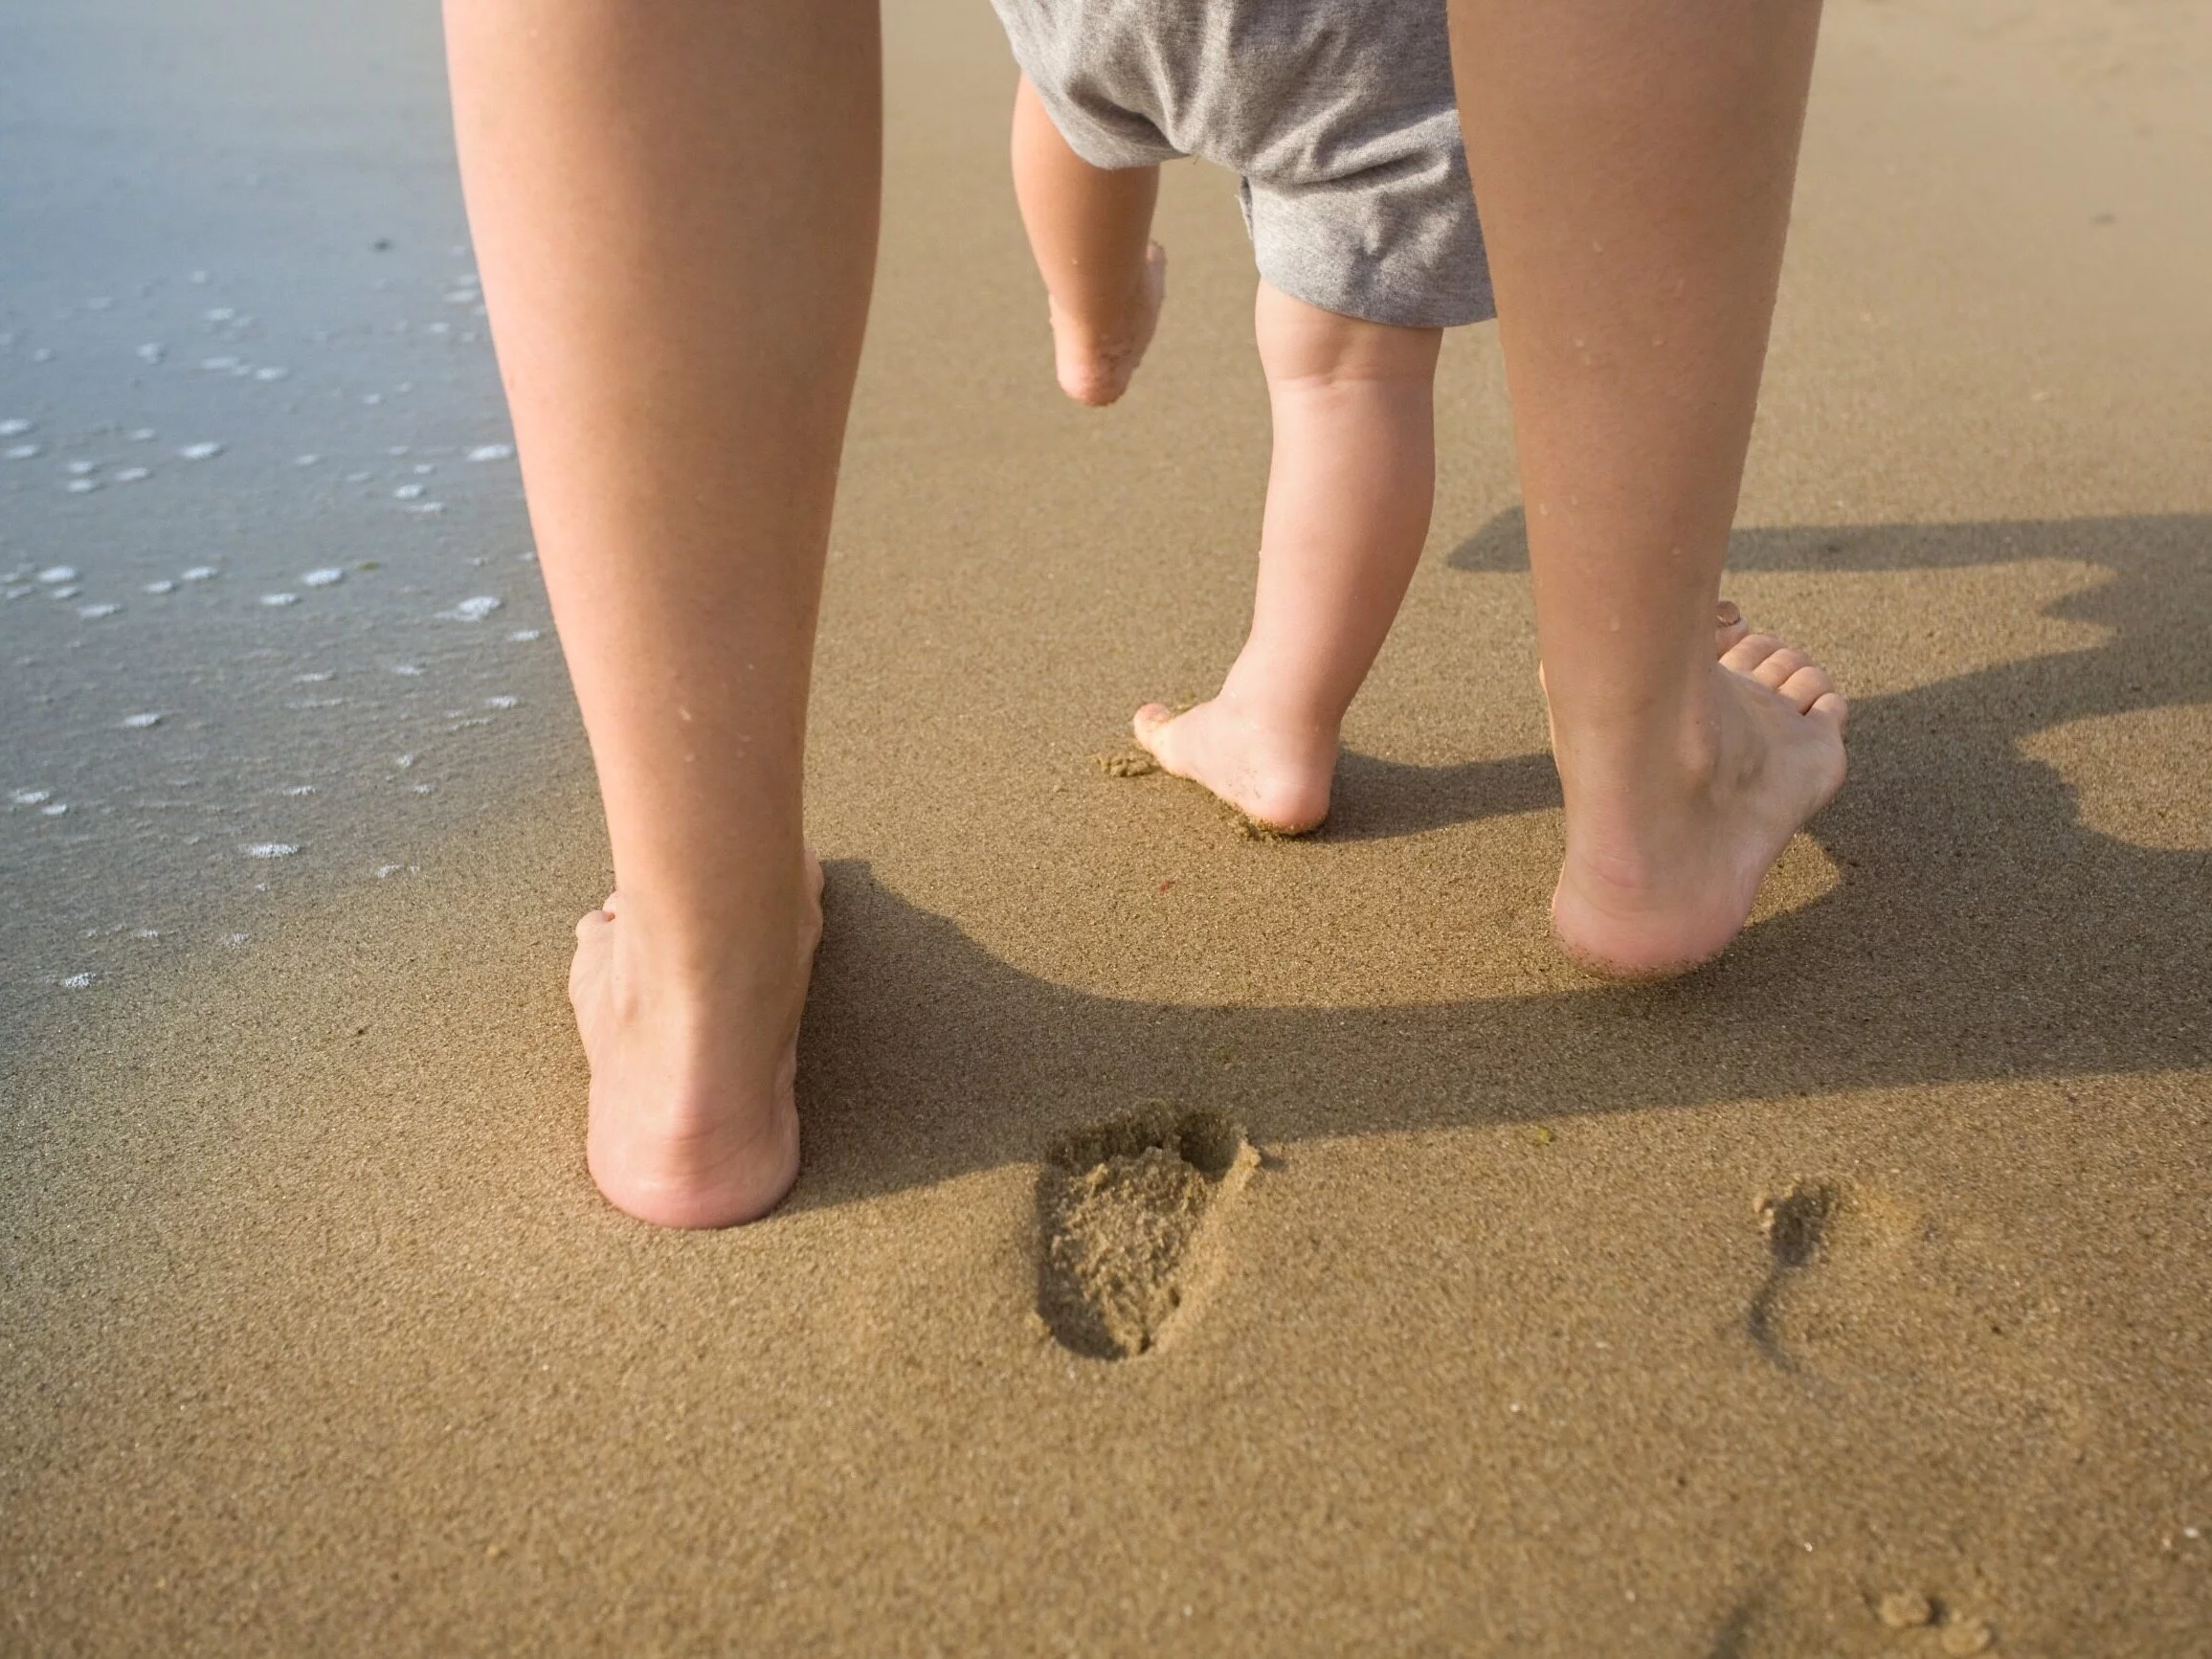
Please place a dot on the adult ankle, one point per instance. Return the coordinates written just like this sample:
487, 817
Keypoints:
673, 963
1659, 753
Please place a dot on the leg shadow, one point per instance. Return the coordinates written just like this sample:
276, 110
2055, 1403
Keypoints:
1979, 932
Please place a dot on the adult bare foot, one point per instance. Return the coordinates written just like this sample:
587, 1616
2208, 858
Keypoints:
1094, 357
692, 1118
1661, 869
1276, 772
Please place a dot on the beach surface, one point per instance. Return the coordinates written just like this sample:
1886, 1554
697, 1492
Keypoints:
1205, 1245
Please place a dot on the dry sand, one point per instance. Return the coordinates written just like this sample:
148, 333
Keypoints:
1861, 1279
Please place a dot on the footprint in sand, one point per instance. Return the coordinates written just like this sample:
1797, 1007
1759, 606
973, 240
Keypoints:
1868, 1291
1796, 1223
1125, 1217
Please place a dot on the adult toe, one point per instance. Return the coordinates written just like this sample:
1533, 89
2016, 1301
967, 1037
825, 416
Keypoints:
1775, 669
1807, 686
591, 923
1749, 652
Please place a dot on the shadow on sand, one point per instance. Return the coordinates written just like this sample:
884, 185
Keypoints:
1979, 932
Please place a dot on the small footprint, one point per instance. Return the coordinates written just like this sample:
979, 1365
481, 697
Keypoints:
1796, 1223
1124, 1212
1796, 1219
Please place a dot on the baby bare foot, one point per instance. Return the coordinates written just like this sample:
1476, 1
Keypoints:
1659, 879
692, 1118
1274, 774
1095, 356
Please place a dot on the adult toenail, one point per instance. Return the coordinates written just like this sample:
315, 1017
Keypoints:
1727, 615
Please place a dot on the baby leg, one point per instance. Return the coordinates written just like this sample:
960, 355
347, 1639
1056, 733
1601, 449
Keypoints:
1091, 228
1349, 494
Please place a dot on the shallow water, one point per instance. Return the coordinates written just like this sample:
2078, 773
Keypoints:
269, 614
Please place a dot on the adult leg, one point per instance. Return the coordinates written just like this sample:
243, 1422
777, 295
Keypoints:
1633, 166
674, 209
1091, 228
1350, 487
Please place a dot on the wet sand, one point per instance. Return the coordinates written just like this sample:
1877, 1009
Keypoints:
1530, 1315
